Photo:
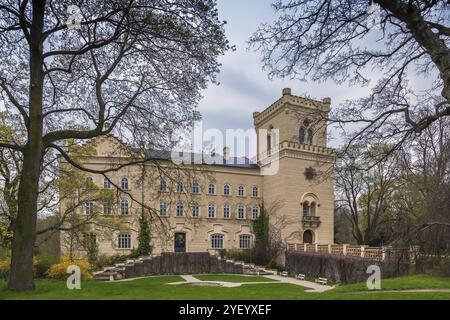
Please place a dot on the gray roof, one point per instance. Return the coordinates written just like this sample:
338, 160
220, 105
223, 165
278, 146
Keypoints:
200, 158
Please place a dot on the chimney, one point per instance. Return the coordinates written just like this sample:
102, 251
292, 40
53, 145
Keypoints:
226, 153
286, 91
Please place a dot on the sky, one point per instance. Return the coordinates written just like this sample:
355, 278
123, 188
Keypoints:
244, 86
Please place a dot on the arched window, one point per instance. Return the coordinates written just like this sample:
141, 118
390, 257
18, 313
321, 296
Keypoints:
195, 210
310, 136
226, 211
241, 211
180, 186
308, 236
162, 185
162, 209
217, 241
89, 207
107, 207
211, 210
180, 209
255, 191
301, 135
306, 208
124, 184
255, 212
211, 188
312, 209
124, 207
195, 187
89, 182
241, 191
269, 138
106, 183
245, 241
226, 190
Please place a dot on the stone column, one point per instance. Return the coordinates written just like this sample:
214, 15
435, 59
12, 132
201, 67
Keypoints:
344, 249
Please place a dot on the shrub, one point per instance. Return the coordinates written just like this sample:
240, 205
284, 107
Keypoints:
109, 261
43, 264
59, 271
272, 264
5, 265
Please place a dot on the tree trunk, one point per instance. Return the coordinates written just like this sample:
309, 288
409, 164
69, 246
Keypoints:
21, 272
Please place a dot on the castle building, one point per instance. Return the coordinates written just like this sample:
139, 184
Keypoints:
209, 205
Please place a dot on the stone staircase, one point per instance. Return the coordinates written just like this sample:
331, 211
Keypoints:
178, 263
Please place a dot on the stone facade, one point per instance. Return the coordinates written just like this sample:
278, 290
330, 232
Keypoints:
292, 174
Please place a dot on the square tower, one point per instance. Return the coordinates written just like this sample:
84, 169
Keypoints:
297, 167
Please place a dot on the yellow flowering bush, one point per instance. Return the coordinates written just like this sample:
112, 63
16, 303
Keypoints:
5, 265
59, 270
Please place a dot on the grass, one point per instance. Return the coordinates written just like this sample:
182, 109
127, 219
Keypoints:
231, 278
157, 288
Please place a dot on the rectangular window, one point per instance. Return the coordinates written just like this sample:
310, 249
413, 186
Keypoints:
124, 241
255, 212
195, 210
107, 207
124, 207
195, 188
89, 207
211, 211
241, 191
180, 210
226, 211
241, 212
162, 186
217, 241
245, 241
162, 209
106, 183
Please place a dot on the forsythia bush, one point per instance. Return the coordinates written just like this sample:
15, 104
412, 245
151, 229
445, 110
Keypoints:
5, 265
59, 271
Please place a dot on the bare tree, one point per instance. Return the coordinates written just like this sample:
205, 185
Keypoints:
364, 196
134, 68
344, 41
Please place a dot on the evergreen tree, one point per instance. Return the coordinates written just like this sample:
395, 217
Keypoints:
144, 248
262, 237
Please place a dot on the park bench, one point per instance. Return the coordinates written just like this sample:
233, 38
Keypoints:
284, 274
300, 276
322, 280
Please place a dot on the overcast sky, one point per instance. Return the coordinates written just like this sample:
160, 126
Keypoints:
244, 86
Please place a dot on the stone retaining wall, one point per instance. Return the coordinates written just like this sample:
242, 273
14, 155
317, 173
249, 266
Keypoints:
341, 269
177, 263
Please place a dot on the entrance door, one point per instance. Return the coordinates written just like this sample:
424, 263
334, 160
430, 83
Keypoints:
180, 242
307, 236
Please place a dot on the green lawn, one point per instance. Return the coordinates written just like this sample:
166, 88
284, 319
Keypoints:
231, 278
157, 288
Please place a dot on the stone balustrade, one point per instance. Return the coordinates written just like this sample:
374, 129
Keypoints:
370, 253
